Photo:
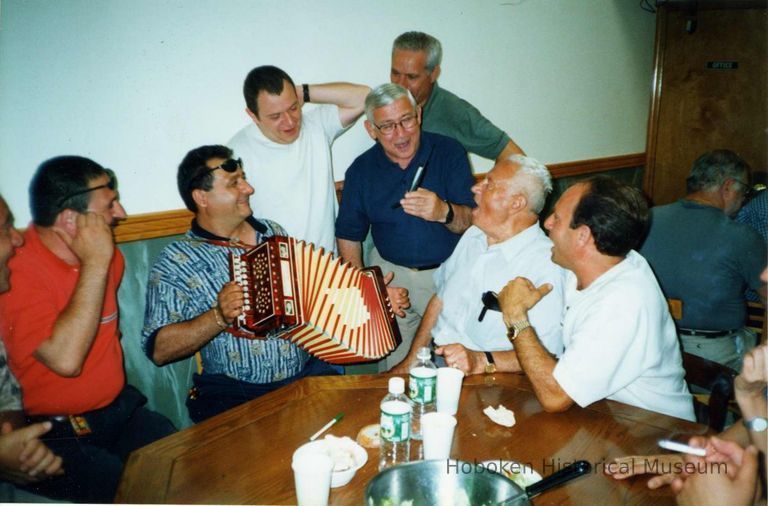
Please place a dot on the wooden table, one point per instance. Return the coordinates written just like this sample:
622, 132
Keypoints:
243, 456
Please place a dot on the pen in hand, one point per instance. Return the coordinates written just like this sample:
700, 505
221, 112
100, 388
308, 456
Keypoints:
415, 184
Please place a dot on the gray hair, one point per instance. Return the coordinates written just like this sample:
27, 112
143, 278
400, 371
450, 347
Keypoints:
712, 169
383, 95
420, 41
536, 182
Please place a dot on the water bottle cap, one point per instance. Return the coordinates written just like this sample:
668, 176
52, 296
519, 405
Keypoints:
424, 353
396, 385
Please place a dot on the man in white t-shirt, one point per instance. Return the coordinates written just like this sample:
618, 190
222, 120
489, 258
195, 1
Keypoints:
620, 340
287, 155
504, 241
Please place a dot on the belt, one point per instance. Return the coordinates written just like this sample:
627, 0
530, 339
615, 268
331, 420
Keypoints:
425, 267
706, 334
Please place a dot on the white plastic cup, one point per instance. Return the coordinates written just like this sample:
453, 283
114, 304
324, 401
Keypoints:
437, 430
312, 476
448, 389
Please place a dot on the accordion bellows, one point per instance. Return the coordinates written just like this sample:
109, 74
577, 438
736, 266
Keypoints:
334, 311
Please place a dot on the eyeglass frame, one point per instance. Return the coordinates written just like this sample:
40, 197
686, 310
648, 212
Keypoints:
384, 129
490, 301
748, 190
111, 184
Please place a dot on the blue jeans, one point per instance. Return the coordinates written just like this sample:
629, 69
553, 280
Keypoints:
216, 393
94, 462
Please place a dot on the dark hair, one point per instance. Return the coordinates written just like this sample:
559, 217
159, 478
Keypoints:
615, 212
57, 178
193, 173
712, 169
268, 78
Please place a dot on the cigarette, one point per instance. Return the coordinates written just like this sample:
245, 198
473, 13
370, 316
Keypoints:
682, 448
326, 426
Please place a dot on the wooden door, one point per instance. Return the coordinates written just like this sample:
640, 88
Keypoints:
709, 93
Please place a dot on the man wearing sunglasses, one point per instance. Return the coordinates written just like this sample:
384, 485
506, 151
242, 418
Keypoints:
505, 241
707, 260
60, 325
191, 302
287, 152
412, 190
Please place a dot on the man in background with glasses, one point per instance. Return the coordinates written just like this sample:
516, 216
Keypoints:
192, 304
707, 260
60, 325
412, 190
504, 242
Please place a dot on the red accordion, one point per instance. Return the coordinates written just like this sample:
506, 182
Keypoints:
334, 311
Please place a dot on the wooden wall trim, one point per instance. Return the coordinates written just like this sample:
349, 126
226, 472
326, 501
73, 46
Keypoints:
163, 224
152, 225
653, 114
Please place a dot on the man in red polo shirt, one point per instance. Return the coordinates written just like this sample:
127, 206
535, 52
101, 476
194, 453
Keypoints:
60, 324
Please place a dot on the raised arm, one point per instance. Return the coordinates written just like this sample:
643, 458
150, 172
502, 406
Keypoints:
517, 297
349, 97
65, 351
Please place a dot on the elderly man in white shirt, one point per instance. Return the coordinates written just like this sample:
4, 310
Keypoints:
504, 241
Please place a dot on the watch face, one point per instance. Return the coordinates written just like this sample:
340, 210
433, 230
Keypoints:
758, 424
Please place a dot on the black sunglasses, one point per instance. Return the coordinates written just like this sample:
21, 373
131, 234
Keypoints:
230, 166
490, 301
111, 184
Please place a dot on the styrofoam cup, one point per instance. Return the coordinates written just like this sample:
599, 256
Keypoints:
448, 389
437, 432
312, 476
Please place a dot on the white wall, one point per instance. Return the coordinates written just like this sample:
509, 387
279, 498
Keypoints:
135, 84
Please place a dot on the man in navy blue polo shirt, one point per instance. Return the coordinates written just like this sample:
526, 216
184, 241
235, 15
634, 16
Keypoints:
413, 230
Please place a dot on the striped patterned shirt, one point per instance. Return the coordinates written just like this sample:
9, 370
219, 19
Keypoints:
185, 282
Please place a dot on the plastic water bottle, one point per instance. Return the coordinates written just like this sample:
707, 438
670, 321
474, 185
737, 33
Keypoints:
422, 389
395, 426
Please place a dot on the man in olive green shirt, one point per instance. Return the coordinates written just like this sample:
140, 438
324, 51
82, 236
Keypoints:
416, 60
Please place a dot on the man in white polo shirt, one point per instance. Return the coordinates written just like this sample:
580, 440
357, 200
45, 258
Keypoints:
620, 340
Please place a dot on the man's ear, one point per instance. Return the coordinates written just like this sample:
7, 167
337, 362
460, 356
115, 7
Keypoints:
370, 129
434, 74
200, 197
67, 220
584, 235
252, 115
418, 113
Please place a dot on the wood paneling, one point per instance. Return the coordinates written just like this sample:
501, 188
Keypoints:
696, 109
162, 224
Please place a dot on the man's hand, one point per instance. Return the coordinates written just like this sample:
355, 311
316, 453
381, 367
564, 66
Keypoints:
736, 482
231, 301
458, 357
398, 296
519, 296
754, 372
625, 467
425, 204
23, 457
93, 243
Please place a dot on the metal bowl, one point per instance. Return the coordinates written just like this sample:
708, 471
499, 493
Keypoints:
458, 483
437, 482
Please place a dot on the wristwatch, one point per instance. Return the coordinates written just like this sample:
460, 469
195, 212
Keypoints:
514, 329
449, 216
490, 366
756, 424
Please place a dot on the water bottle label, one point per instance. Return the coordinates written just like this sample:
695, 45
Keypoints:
395, 427
422, 390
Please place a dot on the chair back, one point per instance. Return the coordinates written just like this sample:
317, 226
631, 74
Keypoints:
711, 409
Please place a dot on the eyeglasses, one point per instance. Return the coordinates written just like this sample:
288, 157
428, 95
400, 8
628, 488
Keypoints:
230, 166
490, 301
111, 184
747, 189
406, 123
